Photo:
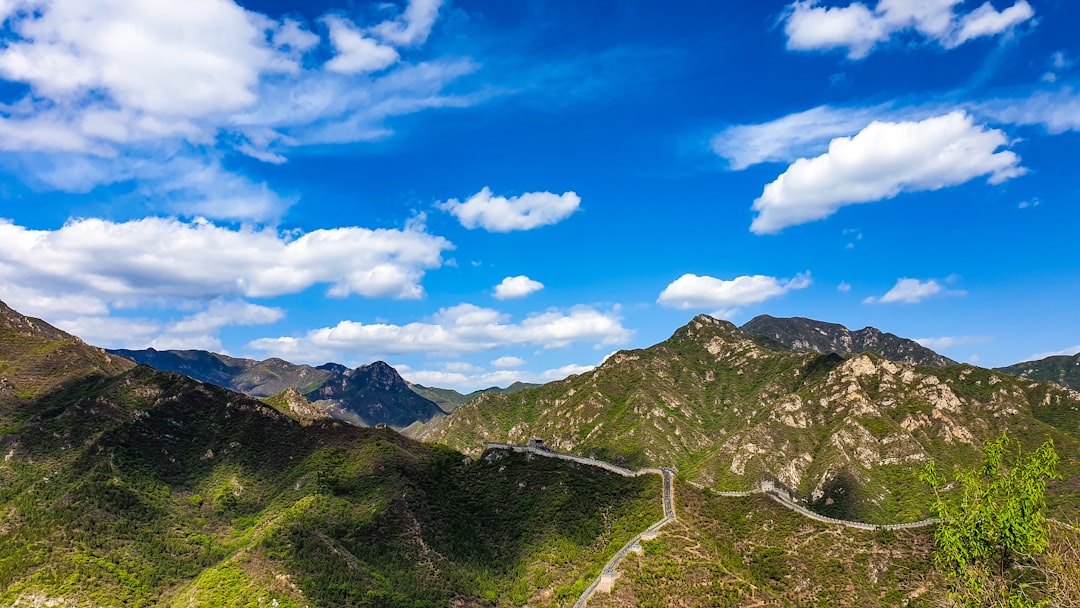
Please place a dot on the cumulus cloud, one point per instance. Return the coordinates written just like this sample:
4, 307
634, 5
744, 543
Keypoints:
860, 29
355, 52
913, 291
881, 161
516, 287
947, 342
459, 329
501, 214
114, 88
508, 362
131, 262
691, 291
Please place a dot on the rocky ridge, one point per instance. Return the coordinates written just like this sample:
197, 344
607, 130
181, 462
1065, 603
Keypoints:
848, 434
809, 336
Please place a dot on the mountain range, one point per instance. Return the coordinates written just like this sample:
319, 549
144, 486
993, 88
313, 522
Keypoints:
122, 485
847, 434
125, 485
366, 396
803, 335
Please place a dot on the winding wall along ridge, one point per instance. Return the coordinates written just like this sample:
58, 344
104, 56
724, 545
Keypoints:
767, 488
609, 572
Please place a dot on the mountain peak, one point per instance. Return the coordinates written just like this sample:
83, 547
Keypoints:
800, 334
37, 357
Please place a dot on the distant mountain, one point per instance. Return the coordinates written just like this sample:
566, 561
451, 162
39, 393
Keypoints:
127, 486
449, 400
368, 395
849, 434
809, 336
1062, 369
372, 394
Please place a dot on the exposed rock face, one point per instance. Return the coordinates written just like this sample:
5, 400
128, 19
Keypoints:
296, 406
807, 335
368, 395
728, 411
1063, 369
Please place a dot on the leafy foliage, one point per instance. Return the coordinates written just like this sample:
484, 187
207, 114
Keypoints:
994, 524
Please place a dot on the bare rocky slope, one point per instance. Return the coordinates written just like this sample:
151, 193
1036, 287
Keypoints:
847, 434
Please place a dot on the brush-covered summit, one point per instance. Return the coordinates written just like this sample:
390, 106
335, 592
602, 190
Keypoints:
1063, 369
36, 357
809, 336
367, 395
848, 433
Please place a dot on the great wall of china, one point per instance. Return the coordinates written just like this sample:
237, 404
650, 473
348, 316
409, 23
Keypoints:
606, 580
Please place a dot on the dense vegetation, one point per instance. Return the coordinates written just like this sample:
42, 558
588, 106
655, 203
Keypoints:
143, 488
153, 489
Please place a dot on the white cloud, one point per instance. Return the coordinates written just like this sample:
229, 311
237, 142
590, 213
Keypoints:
223, 313
843, 287
508, 362
466, 382
788, 137
355, 52
153, 258
947, 342
116, 88
516, 287
913, 291
567, 370
1056, 111
881, 161
458, 329
199, 330
412, 26
170, 57
460, 381
1065, 352
859, 29
691, 291
501, 214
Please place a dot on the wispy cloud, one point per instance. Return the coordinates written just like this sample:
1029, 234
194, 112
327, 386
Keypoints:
949, 342
913, 291
116, 88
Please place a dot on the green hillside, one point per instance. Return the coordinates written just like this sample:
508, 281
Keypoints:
145, 488
848, 435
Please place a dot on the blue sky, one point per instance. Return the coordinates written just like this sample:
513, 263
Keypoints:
484, 191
